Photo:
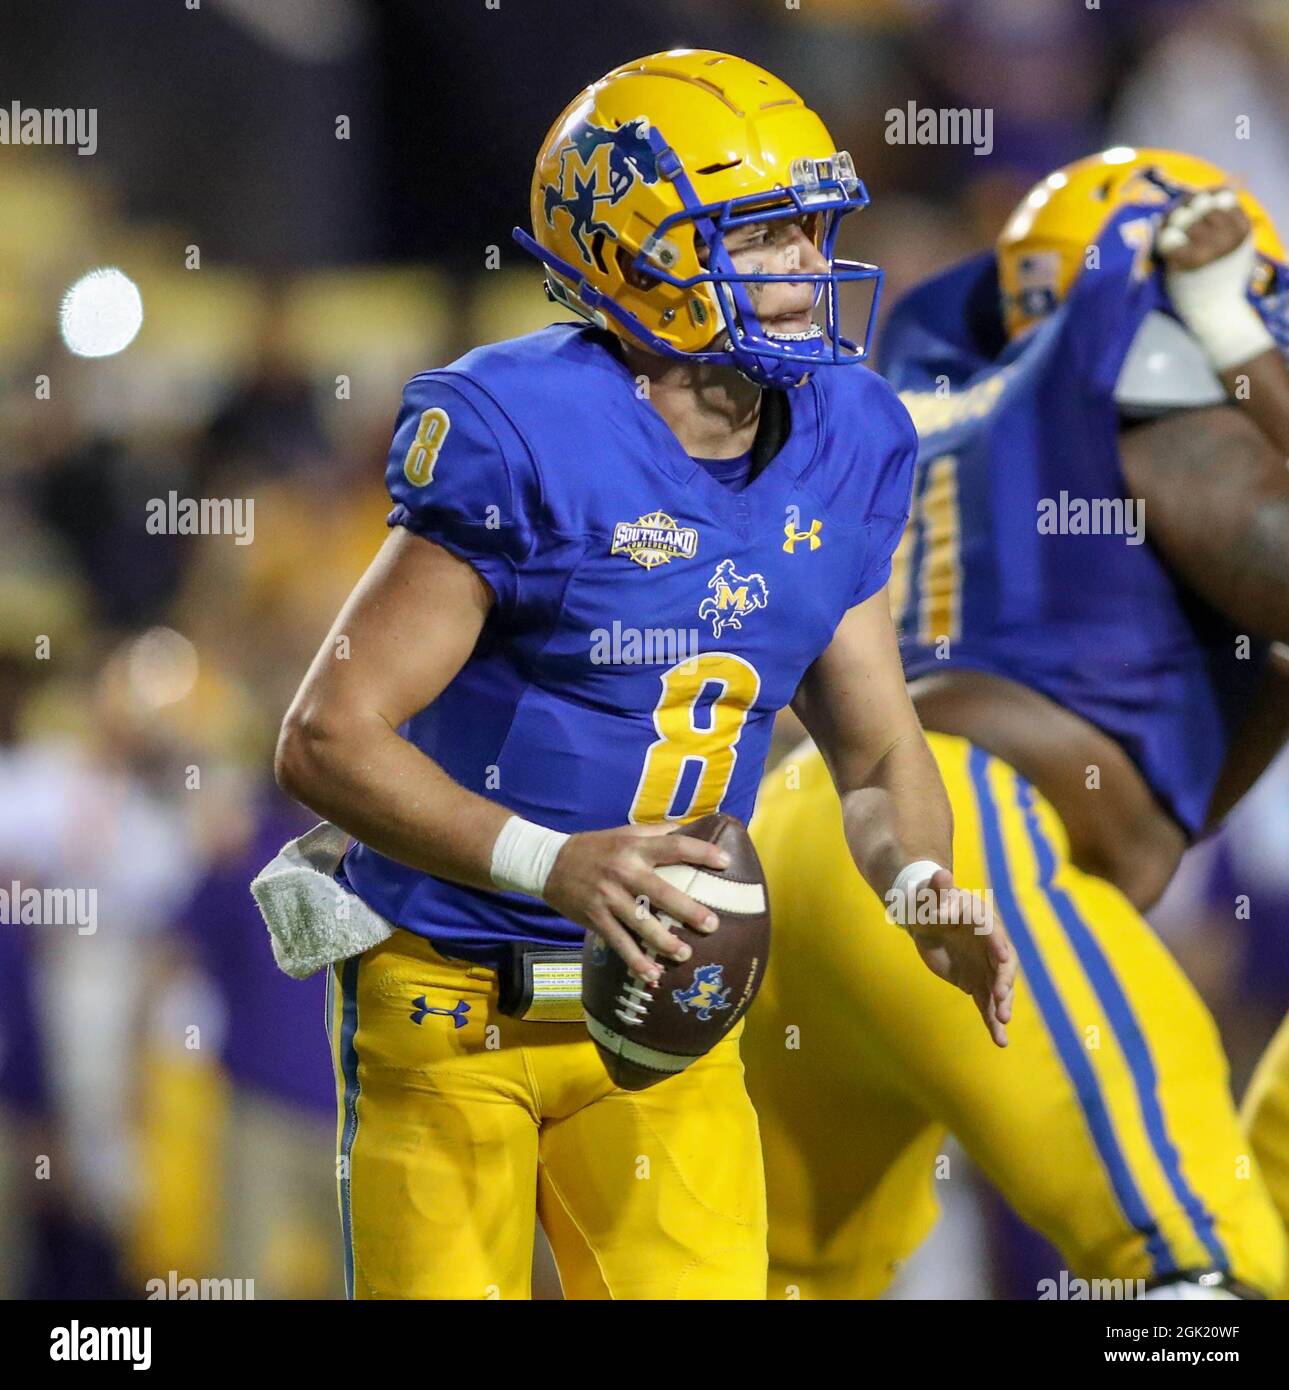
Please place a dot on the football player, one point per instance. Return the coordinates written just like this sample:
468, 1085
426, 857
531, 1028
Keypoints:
618, 549
1088, 594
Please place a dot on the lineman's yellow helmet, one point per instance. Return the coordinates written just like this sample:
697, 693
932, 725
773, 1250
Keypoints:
637, 183
1042, 247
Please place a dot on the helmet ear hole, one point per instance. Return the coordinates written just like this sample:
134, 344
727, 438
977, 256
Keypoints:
637, 279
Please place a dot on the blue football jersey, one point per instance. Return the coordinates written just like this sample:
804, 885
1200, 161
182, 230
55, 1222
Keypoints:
649, 622
1023, 557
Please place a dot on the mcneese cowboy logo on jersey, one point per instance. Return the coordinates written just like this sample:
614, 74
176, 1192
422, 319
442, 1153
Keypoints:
733, 597
599, 166
653, 539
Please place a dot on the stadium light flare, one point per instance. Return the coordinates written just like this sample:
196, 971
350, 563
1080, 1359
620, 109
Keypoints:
101, 313
162, 667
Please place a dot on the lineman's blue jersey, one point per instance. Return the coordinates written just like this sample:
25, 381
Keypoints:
648, 622
1023, 559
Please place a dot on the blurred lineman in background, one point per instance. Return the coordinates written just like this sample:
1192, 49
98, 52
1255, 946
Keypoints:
1095, 704
640, 471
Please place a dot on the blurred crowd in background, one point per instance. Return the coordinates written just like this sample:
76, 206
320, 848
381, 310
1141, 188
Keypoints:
165, 1094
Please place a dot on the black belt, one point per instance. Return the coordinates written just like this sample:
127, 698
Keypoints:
540, 984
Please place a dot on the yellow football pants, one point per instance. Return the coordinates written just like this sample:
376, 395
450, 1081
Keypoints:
1266, 1117
1107, 1123
459, 1125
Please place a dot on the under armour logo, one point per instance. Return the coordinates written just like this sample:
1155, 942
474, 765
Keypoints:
457, 1013
794, 536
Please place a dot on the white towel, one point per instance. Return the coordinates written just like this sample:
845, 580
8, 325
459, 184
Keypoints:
312, 920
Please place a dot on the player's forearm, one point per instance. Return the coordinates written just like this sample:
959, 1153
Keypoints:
1260, 389
361, 775
898, 814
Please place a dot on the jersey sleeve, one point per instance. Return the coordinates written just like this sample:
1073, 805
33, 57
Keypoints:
889, 509
459, 475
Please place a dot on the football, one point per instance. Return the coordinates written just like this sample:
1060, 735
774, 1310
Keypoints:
647, 1033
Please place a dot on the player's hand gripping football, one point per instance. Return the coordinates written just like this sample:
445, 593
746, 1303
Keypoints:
967, 946
604, 880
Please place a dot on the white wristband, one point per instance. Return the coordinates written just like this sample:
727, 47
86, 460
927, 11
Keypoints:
901, 896
1231, 334
1212, 302
523, 856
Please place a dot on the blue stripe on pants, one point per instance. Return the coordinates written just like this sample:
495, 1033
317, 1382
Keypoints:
1122, 1019
1060, 1029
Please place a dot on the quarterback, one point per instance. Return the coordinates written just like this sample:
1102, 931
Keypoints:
1094, 704
700, 459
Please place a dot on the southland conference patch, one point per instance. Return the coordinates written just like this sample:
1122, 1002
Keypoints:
654, 539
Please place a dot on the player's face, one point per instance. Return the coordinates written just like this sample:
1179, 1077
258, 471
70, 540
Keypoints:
779, 247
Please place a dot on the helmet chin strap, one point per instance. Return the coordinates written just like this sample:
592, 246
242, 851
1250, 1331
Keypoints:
776, 378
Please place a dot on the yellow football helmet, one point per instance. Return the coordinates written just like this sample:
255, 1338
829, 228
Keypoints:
1042, 247
637, 183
